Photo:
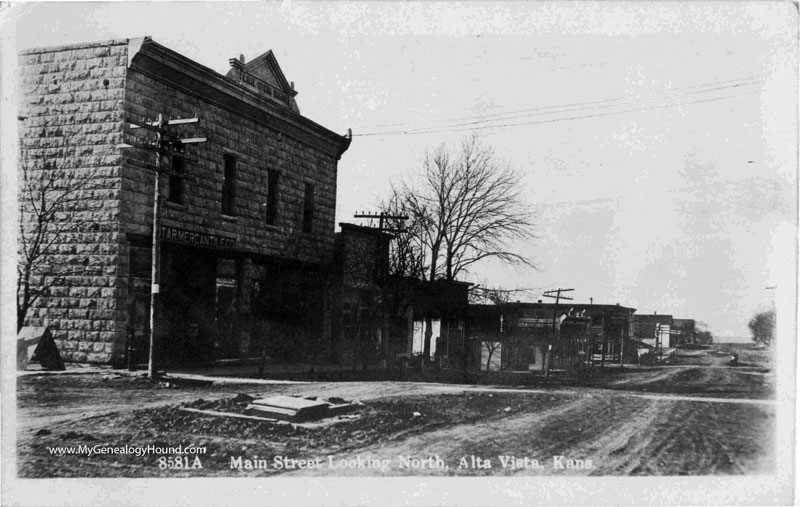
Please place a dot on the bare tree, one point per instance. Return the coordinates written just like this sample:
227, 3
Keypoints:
406, 250
466, 206
483, 294
49, 204
491, 347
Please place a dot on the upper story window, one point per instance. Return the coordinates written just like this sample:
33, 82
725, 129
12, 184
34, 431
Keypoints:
229, 185
176, 180
308, 208
273, 182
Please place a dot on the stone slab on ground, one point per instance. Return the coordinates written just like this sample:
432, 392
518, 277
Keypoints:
290, 402
290, 408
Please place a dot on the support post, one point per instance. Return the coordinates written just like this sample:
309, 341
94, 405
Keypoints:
603, 350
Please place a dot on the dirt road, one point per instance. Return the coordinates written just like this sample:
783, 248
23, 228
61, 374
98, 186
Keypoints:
604, 433
697, 418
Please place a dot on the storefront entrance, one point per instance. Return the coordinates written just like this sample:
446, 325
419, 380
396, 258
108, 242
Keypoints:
216, 304
187, 313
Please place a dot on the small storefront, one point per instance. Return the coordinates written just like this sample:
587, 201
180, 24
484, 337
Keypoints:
220, 303
198, 304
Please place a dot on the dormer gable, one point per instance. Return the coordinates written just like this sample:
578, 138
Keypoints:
265, 77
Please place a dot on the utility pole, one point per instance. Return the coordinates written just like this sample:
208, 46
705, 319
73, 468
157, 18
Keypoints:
165, 144
155, 268
621, 348
558, 296
590, 339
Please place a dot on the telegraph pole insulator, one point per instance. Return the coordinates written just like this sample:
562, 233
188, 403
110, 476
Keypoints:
382, 217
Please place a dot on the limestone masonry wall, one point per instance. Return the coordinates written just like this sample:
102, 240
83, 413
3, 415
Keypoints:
72, 111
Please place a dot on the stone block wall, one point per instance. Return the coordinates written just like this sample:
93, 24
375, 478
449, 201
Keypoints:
75, 101
256, 149
71, 112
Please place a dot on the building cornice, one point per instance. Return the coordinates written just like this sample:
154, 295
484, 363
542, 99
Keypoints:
165, 65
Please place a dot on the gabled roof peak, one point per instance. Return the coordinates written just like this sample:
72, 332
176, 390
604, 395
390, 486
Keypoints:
269, 60
265, 76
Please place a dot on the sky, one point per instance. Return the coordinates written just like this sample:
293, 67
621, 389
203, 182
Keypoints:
658, 141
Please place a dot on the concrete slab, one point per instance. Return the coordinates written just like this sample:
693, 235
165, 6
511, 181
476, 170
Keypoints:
290, 402
290, 408
283, 414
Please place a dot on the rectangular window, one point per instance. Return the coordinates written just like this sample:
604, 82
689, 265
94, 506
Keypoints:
273, 180
176, 180
308, 208
229, 185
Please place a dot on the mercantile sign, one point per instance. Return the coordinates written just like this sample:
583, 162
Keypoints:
201, 239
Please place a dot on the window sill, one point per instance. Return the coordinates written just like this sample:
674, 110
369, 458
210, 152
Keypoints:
175, 204
230, 218
271, 227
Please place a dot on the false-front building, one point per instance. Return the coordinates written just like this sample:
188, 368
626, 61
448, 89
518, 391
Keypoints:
529, 336
247, 216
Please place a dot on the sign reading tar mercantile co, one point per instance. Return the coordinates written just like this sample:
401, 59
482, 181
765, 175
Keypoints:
201, 239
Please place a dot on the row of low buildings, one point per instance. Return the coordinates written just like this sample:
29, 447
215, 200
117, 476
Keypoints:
532, 336
250, 263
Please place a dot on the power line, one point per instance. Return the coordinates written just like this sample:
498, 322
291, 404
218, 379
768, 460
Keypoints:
603, 200
553, 120
469, 126
477, 122
500, 115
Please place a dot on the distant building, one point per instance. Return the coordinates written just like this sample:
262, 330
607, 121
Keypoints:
653, 330
683, 331
375, 314
247, 224
522, 334
445, 303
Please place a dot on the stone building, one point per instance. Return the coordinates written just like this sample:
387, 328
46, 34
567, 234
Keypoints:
247, 217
